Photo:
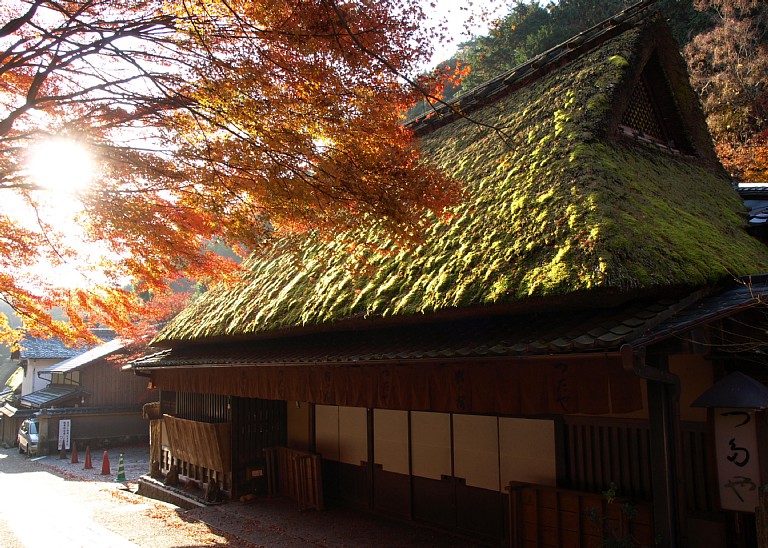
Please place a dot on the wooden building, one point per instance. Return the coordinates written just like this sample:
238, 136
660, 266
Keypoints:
32, 356
101, 403
541, 346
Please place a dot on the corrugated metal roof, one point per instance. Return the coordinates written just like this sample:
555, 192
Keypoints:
547, 332
86, 358
747, 293
52, 394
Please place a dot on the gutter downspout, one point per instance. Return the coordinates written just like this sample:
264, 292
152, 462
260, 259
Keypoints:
666, 451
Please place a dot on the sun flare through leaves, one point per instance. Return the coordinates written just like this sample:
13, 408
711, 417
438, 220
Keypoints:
61, 165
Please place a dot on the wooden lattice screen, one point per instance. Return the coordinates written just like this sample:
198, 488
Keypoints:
296, 474
641, 114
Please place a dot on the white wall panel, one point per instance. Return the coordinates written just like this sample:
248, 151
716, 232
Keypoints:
327, 431
527, 451
431, 444
476, 450
353, 435
390, 445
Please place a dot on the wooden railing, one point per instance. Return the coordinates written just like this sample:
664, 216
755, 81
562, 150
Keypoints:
189, 470
198, 450
296, 474
542, 516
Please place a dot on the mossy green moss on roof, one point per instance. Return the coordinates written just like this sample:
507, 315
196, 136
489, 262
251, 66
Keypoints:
553, 207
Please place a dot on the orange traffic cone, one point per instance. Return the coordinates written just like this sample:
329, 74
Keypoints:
88, 464
74, 453
105, 465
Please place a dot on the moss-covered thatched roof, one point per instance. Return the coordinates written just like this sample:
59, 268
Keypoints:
557, 203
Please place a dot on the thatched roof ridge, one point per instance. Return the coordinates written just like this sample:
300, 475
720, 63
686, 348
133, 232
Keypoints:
558, 203
534, 68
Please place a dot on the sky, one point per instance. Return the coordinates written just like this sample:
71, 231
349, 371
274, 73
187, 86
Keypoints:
463, 19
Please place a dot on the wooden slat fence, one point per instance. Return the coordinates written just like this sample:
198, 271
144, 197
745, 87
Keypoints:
296, 474
548, 517
155, 441
605, 452
199, 450
602, 452
700, 491
203, 407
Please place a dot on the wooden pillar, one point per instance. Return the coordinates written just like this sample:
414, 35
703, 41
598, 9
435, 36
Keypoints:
761, 518
668, 510
761, 513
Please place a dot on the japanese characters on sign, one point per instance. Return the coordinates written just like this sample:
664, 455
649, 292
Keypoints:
65, 426
738, 471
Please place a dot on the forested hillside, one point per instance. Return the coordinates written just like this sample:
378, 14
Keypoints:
725, 43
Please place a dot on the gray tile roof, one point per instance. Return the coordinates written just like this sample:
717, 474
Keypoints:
546, 332
37, 348
756, 201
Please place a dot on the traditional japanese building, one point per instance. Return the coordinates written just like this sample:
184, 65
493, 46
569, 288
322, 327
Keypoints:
541, 345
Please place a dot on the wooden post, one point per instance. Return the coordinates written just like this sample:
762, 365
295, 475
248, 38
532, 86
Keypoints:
761, 517
664, 461
516, 538
761, 512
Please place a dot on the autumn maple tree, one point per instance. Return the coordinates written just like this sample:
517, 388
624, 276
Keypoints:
235, 122
729, 69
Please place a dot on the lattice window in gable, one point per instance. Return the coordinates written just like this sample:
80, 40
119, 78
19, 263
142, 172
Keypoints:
641, 114
652, 113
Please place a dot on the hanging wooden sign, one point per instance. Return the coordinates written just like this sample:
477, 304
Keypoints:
736, 450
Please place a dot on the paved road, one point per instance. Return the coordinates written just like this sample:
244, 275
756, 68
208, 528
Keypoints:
41, 509
51, 502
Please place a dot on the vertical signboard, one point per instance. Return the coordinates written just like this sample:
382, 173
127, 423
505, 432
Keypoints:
738, 470
65, 426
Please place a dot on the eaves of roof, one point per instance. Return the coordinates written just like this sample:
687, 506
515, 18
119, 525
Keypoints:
748, 292
85, 410
548, 333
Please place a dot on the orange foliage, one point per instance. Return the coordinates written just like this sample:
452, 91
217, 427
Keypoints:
747, 161
232, 122
728, 67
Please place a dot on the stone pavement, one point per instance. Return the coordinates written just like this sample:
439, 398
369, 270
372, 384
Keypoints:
264, 521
